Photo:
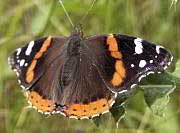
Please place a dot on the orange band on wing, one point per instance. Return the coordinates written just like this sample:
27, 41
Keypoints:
30, 71
120, 72
116, 80
120, 68
41, 104
88, 110
45, 45
111, 41
113, 46
117, 55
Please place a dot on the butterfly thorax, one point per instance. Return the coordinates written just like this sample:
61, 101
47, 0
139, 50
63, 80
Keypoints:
74, 43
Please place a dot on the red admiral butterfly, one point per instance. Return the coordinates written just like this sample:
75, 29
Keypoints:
81, 76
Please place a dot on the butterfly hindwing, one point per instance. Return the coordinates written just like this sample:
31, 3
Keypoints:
83, 96
124, 60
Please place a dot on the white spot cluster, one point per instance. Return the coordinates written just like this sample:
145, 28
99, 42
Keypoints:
138, 47
22, 62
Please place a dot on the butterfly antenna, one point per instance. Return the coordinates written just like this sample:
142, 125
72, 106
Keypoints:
60, 1
90, 8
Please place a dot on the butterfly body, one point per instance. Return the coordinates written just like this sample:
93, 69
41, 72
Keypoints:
79, 76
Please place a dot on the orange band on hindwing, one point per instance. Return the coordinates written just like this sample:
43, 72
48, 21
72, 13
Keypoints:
41, 104
30, 70
120, 72
88, 110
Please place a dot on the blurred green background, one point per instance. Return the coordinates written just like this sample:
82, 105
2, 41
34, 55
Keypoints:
25, 20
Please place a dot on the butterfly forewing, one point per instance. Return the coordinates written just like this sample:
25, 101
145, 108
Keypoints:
125, 60
30, 61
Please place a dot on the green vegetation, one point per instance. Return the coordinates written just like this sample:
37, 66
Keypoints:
25, 20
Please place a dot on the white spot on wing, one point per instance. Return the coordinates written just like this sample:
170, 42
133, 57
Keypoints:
171, 58
139, 47
53, 112
151, 72
137, 40
22, 86
19, 81
169, 63
105, 112
18, 51
142, 63
165, 67
151, 61
122, 91
138, 50
158, 49
112, 103
22, 62
133, 85
84, 117
115, 95
132, 65
141, 77
95, 115
17, 74
26, 64
29, 48
47, 113
40, 111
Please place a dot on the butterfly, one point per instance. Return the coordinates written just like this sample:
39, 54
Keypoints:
79, 76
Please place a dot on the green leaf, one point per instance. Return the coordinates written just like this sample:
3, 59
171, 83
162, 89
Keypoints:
103, 121
176, 73
157, 97
117, 112
118, 109
97, 121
